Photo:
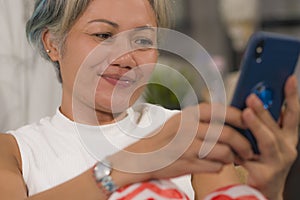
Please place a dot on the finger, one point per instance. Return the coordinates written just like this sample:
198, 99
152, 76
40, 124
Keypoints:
204, 166
221, 113
291, 113
266, 140
264, 115
216, 152
217, 133
234, 117
191, 166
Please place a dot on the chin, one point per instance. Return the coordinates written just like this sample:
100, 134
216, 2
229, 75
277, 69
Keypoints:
116, 103
115, 107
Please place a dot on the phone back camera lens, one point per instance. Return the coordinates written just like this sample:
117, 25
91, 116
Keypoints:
258, 60
259, 50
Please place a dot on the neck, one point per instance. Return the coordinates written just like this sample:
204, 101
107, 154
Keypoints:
89, 115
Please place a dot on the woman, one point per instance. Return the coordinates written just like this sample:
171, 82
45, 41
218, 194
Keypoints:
48, 160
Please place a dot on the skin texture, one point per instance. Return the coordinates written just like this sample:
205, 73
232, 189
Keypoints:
108, 16
87, 33
277, 142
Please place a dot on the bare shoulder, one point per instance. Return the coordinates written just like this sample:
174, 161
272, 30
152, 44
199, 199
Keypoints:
9, 152
12, 185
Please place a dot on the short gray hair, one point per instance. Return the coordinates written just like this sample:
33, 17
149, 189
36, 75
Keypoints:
58, 16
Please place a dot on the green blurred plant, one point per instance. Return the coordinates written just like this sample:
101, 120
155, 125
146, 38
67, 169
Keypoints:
168, 87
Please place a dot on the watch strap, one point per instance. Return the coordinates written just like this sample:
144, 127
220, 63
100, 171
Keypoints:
102, 174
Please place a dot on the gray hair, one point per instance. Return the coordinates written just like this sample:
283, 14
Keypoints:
58, 16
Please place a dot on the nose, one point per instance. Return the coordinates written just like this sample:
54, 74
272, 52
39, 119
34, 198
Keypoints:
125, 61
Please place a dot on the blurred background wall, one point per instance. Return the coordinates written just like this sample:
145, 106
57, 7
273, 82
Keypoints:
29, 89
28, 86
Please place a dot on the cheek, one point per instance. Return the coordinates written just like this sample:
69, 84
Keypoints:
147, 60
148, 56
74, 55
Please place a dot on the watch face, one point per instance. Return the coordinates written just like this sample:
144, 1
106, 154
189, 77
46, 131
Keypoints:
102, 173
101, 170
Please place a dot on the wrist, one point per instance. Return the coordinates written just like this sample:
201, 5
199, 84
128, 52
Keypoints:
273, 192
102, 175
127, 171
123, 179
279, 196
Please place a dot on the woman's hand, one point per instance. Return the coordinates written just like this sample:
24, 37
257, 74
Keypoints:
276, 141
174, 149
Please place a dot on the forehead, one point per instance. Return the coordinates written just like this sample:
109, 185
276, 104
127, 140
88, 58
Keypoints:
125, 13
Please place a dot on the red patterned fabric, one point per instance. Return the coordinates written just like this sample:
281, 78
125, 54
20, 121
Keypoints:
236, 192
166, 190
225, 197
152, 190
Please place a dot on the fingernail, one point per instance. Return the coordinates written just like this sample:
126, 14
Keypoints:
295, 82
248, 113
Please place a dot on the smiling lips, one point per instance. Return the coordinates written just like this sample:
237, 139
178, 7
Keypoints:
117, 79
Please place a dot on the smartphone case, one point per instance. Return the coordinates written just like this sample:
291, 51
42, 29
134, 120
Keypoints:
268, 61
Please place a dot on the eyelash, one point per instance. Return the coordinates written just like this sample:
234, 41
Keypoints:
103, 36
142, 42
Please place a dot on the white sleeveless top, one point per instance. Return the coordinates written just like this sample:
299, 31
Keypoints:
55, 150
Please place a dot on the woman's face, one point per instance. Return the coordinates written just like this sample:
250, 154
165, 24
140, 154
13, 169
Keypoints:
108, 55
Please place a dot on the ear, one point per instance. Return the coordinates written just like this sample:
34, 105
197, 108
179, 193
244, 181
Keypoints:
50, 46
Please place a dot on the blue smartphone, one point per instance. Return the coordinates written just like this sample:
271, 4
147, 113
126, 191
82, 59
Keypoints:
268, 61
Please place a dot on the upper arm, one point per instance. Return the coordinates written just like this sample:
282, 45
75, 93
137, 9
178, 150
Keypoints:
12, 186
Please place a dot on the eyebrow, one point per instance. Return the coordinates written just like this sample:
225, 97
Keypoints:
141, 28
113, 24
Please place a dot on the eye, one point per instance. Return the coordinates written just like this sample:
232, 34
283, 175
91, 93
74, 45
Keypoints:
103, 36
143, 43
